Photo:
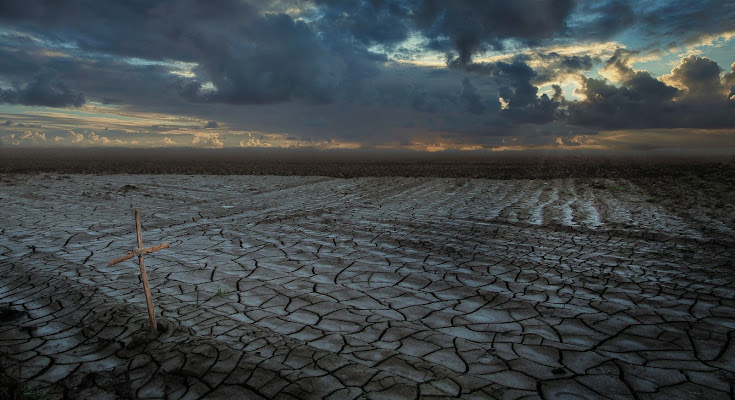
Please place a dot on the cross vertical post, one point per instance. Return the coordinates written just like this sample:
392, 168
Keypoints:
144, 275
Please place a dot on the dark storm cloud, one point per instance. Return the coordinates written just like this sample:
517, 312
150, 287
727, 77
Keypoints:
672, 22
514, 82
421, 89
250, 58
45, 89
106, 79
470, 97
465, 26
641, 101
627, 106
374, 21
250, 53
273, 59
575, 63
156, 29
603, 19
40, 9
165, 29
638, 100
19, 64
515, 85
473, 25
543, 110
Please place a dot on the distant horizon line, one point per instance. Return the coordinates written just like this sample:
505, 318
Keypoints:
699, 152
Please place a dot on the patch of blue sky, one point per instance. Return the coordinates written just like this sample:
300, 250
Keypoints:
175, 67
721, 51
21, 39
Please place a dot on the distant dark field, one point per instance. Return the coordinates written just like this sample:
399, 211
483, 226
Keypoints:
349, 164
678, 180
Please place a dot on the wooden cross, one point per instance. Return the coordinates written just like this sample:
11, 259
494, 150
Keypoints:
143, 276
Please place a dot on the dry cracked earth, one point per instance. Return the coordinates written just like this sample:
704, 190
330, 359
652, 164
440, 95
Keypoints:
315, 287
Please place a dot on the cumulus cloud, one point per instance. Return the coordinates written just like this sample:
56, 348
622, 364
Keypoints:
26, 138
254, 142
75, 137
729, 81
211, 125
33, 137
94, 138
698, 99
201, 140
166, 141
574, 140
699, 77
89, 138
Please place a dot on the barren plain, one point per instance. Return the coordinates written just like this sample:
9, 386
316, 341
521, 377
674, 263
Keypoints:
370, 287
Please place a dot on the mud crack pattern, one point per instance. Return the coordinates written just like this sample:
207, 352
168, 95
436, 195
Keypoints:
314, 287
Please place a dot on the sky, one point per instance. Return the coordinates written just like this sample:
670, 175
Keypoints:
425, 75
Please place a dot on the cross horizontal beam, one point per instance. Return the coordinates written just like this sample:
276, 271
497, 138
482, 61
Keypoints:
140, 252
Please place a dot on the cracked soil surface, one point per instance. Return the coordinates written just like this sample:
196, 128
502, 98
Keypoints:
316, 287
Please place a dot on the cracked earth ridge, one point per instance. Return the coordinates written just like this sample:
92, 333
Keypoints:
313, 287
